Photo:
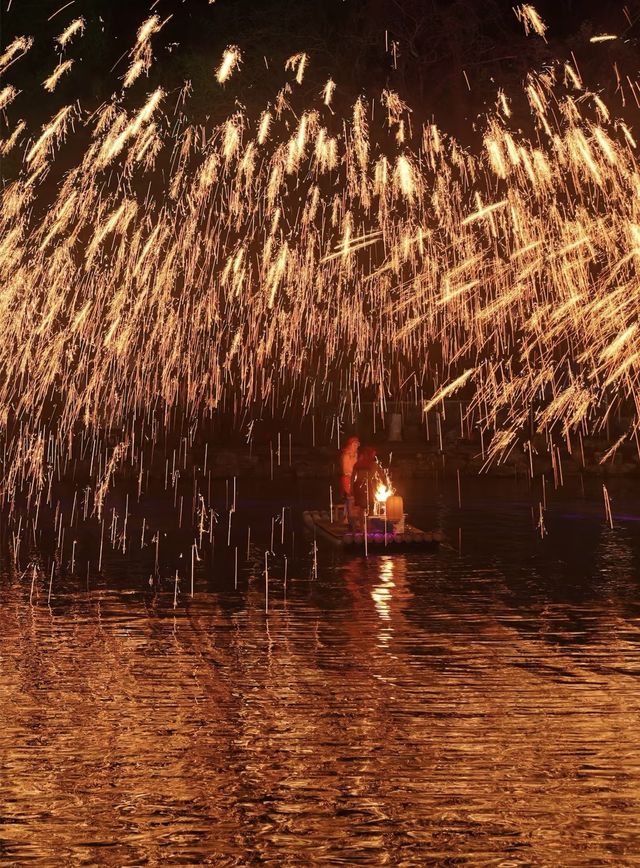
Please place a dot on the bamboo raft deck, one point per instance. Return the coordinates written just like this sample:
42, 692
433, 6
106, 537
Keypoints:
341, 535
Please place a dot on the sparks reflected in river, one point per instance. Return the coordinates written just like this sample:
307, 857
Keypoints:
481, 708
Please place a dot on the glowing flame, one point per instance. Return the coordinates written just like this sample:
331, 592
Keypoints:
383, 493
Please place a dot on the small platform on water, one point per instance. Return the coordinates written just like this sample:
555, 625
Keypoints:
342, 536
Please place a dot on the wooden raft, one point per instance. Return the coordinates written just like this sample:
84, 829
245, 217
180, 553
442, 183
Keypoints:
341, 535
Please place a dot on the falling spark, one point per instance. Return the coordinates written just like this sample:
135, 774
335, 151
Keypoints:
50, 131
231, 59
328, 91
8, 145
531, 19
14, 51
51, 82
298, 64
458, 383
7, 96
148, 28
76, 26
264, 127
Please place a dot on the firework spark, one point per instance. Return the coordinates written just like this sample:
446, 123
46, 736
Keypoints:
231, 60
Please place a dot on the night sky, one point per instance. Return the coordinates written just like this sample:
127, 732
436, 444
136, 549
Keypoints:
345, 38
452, 55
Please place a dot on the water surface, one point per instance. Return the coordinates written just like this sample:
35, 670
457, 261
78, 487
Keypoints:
478, 705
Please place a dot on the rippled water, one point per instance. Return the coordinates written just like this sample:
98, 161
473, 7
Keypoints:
479, 705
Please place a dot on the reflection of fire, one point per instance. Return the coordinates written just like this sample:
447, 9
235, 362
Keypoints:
383, 493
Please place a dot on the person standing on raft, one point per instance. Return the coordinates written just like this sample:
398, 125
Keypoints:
367, 475
348, 459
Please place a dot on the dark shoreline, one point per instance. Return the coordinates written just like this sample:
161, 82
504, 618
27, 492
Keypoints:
419, 458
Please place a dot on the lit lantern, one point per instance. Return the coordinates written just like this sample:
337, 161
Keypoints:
395, 508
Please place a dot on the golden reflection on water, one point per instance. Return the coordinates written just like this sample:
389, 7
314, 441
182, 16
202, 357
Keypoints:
381, 594
401, 710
